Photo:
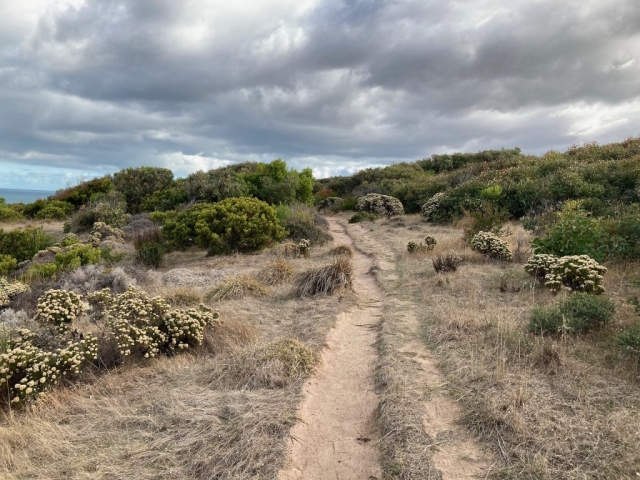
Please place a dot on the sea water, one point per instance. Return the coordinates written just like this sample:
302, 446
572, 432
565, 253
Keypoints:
12, 195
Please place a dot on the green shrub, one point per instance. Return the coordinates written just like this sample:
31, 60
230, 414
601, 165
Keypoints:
7, 265
486, 218
39, 272
363, 217
629, 340
78, 255
579, 313
82, 193
491, 246
8, 213
180, 229
300, 223
24, 244
579, 273
108, 208
413, 247
430, 209
137, 183
162, 218
348, 204
330, 203
151, 254
163, 200
237, 224
48, 210
69, 239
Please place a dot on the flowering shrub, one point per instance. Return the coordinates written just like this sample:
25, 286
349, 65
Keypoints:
576, 272
26, 371
431, 206
8, 290
101, 232
304, 248
185, 328
383, 205
491, 246
69, 239
100, 302
59, 308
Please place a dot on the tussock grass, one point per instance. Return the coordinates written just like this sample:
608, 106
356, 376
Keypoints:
277, 271
277, 364
237, 286
179, 297
325, 280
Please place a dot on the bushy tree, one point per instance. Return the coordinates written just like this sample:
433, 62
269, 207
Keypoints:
138, 183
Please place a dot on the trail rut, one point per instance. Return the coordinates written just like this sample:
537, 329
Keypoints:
335, 437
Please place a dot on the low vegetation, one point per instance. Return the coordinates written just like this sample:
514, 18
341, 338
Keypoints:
325, 280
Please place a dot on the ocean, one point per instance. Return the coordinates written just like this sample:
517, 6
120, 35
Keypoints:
12, 195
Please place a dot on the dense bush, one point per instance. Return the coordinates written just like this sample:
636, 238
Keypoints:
137, 183
7, 265
66, 258
164, 200
48, 210
180, 229
82, 193
109, 208
238, 224
579, 313
8, 290
24, 244
363, 217
429, 209
491, 246
9, 213
150, 248
629, 340
383, 205
579, 273
330, 203
59, 308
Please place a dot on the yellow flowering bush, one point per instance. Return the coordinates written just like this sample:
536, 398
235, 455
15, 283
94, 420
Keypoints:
8, 290
26, 371
490, 245
102, 232
579, 273
100, 301
59, 308
185, 328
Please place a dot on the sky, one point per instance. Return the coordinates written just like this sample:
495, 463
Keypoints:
88, 87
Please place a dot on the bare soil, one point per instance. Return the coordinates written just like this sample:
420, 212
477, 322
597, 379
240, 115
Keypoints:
335, 436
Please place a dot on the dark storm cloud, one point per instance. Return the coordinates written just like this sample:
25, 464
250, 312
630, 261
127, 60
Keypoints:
336, 84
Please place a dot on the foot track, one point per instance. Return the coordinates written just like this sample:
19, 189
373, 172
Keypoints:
335, 437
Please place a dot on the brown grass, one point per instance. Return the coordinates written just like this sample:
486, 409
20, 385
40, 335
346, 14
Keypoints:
237, 286
277, 271
182, 297
342, 250
549, 408
325, 280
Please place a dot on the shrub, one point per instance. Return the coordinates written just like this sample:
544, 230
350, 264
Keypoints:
101, 232
185, 328
83, 192
59, 308
429, 244
180, 228
325, 280
237, 286
8, 213
8, 290
26, 371
108, 208
39, 272
363, 217
277, 272
430, 207
137, 183
7, 265
491, 246
48, 209
238, 224
183, 297
300, 222
342, 250
78, 255
383, 205
486, 218
629, 340
447, 262
576, 272
149, 247
24, 244
330, 203
69, 239
579, 313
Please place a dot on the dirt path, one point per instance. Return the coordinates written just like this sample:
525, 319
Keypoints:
335, 437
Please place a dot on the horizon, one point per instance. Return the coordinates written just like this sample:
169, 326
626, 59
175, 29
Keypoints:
88, 88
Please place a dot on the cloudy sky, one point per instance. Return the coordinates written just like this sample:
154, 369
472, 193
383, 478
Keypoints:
91, 86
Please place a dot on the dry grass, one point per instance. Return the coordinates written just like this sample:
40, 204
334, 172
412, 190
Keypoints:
237, 286
277, 272
167, 419
549, 408
180, 297
325, 280
277, 364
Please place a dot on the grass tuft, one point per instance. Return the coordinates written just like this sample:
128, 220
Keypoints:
276, 272
237, 286
325, 280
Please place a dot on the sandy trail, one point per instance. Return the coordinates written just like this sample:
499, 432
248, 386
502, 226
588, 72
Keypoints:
335, 437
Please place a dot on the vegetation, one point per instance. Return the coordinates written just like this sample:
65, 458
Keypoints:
325, 280
580, 313
24, 244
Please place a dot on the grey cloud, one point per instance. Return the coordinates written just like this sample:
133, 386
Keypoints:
118, 82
